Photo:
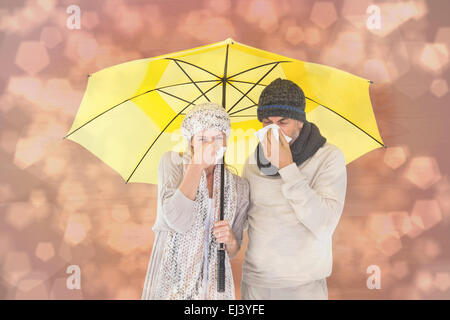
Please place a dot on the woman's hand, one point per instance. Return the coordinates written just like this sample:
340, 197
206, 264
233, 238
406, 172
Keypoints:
224, 234
201, 158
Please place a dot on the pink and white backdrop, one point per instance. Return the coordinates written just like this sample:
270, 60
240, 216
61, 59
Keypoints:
63, 213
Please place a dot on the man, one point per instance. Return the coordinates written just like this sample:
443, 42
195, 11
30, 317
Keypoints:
297, 193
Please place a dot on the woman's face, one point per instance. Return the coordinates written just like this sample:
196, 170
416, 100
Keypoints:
206, 144
206, 137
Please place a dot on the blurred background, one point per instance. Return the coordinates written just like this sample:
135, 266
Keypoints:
60, 206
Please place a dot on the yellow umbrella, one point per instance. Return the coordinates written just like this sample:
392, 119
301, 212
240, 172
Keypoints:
131, 113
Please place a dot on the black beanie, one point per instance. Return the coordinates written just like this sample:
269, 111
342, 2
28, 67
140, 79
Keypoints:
282, 98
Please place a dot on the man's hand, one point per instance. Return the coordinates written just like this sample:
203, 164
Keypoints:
272, 148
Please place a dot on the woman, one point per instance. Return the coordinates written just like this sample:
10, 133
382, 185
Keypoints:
187, 231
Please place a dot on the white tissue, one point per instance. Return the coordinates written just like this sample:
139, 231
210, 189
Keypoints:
262, 132
220, 152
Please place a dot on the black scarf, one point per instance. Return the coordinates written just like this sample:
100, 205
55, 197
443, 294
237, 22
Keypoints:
306, 145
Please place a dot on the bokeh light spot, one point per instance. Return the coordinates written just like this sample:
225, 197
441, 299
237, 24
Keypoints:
32, 57
45, 251
395, 157
423, 172
426, 213
51, 37
439, 87
323, 14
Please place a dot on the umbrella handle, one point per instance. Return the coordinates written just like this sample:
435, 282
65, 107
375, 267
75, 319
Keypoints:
221, 268
221, 249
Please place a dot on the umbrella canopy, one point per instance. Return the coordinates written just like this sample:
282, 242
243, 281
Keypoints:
131, 113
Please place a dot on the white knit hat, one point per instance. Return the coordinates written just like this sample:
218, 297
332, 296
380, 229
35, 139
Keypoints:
205, 116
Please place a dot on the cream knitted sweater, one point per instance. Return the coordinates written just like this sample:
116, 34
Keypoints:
291, 219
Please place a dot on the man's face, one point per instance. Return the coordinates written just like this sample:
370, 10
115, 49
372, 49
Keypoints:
290, 127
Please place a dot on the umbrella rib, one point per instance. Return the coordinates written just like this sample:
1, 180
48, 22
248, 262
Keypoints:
347, 121
172, 95
252, 87
194, 65
259, 84
129, 99
224, 87
243, 109
180, 84
156, 139
256, 67
203, 94
241, 92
